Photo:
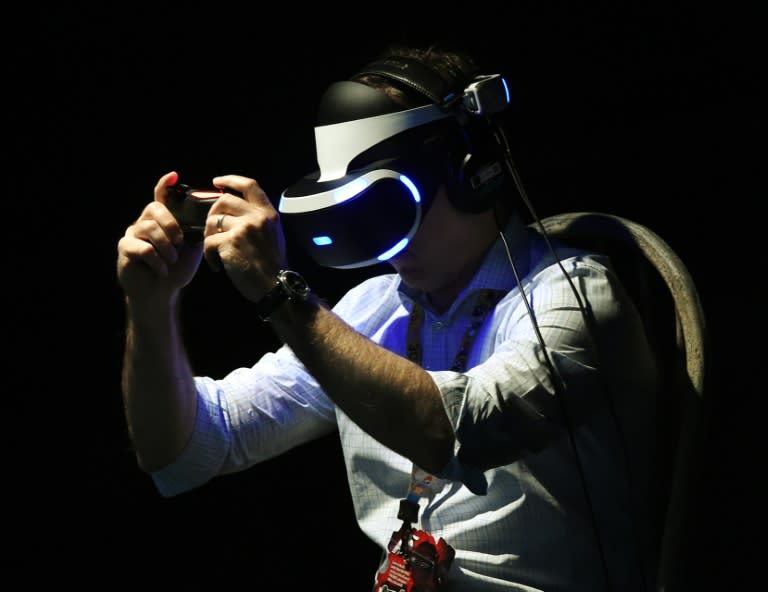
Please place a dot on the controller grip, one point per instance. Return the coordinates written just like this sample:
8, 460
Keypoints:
190, 208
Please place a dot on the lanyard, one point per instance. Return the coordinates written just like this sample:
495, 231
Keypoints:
486, 301
421, 484
415, 560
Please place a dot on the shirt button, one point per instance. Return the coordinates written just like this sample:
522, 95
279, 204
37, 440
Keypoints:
439, 325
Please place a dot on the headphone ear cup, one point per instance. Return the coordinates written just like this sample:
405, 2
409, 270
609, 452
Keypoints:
479, 171
460, 191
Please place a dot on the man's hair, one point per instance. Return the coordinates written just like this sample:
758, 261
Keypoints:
456, 66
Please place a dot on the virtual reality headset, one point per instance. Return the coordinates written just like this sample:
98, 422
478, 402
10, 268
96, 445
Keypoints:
379, 168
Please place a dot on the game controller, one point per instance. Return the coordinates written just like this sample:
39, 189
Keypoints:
190, 208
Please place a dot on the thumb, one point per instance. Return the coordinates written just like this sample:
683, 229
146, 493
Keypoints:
161, 189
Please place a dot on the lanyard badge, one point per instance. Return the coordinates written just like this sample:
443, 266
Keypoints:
415, 562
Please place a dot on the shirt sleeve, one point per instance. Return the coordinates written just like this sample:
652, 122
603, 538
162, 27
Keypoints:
251, 415
511, 404
254, 414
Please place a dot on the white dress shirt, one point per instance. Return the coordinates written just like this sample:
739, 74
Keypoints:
523, 508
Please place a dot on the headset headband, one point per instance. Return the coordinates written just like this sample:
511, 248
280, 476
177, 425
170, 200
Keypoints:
415, 75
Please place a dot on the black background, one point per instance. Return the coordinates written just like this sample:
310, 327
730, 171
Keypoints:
648, 111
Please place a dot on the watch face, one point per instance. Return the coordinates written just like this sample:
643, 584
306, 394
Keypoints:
295, 284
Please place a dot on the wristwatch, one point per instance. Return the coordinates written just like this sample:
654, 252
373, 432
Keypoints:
289, 285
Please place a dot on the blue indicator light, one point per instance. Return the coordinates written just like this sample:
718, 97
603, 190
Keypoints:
322, 241
410, 185
393, 251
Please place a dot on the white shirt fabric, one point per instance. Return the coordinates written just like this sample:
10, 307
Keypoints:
522, 507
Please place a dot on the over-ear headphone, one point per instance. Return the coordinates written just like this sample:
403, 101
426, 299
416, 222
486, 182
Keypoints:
477, 171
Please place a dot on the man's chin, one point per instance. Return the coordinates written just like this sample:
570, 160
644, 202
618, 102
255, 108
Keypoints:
413, 276
404, 263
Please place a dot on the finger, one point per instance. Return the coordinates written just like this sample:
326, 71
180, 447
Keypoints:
158, 236
137, 250
211, 252
161, 189
247, 187
222, 217
220, 223
161, 216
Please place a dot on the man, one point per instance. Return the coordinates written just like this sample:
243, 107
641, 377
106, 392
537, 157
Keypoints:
474, 390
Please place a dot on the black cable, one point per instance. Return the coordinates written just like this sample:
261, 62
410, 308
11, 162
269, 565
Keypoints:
560, 386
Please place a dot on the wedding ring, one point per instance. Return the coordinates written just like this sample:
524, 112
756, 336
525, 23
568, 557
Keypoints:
219, 223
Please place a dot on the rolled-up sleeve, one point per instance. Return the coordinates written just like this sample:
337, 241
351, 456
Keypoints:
510, 404
251, 415
256, 413
202, 456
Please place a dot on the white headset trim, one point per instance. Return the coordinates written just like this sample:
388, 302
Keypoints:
337, 144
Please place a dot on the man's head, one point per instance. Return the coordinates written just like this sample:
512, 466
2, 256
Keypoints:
407, 124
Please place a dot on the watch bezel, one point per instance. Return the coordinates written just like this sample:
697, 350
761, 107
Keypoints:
294, 284
289, 285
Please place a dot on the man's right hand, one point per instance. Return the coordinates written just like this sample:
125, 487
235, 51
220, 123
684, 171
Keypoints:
153, 261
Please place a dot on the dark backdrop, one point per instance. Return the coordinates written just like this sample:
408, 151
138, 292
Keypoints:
643, 111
